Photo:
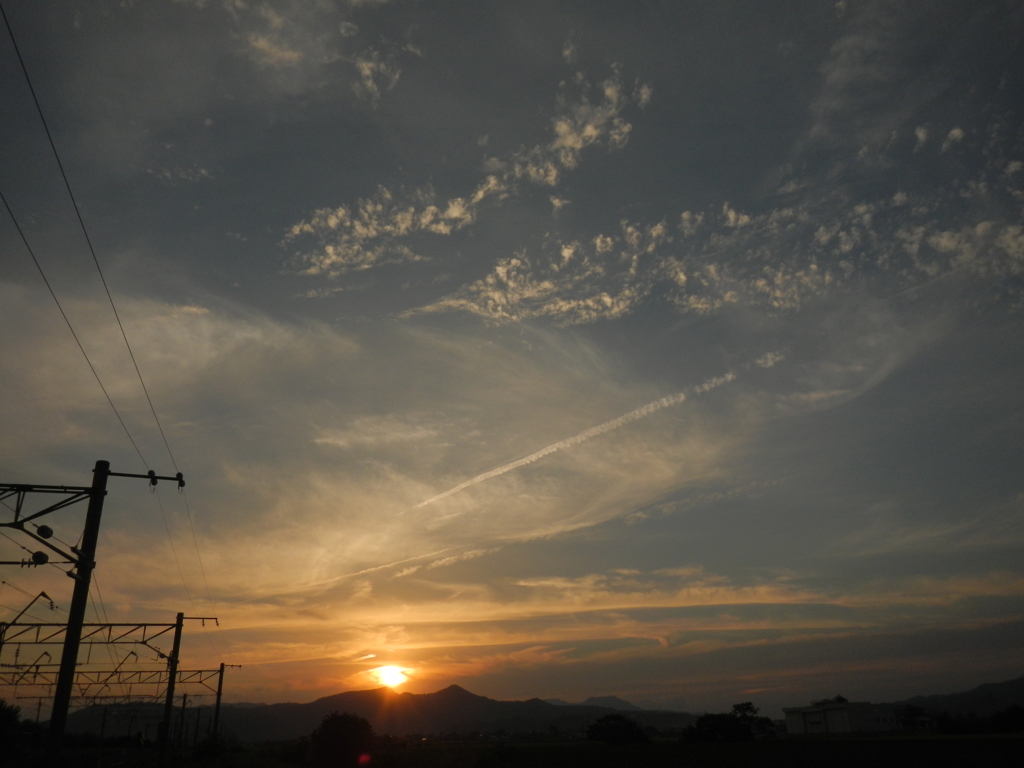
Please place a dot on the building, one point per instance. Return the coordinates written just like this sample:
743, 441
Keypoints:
840, 716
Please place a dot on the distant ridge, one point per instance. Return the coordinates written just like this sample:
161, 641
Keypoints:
612, 702
452, 710
456, 710
983, 701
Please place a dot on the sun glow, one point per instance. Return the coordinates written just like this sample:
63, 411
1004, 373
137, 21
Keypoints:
389, 676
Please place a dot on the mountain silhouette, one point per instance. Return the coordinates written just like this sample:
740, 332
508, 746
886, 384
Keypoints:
456, 710
612, 702
451, 710
985, 700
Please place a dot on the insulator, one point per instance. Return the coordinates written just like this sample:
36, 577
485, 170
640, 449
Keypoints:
40, 558
44, 531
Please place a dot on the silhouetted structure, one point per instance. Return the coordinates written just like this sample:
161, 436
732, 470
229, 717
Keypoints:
840, 716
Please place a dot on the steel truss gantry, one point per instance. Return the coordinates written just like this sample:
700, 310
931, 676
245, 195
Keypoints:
37, 676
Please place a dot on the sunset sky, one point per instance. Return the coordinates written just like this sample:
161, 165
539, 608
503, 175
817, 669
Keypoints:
670, 350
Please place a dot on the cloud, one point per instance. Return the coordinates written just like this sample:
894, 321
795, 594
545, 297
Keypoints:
570, 51
922, 137
690, 586
588, 434
267, 461
590, 117
769, 359
284, 34
867, 89
195, 173
269, 52
380, 230
955, 136
303, 466
293, 44
373, 233
776, 260
580, 282
369, 431
471, 554
375, 74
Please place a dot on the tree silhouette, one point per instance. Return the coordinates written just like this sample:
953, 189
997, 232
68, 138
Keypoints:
9, 716
741, 724
341, 741
745, 711
718, 728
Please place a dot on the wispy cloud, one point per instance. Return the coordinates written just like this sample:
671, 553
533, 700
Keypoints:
376, 74
381, 229
375, 231
573, 282
588, 434
776, 261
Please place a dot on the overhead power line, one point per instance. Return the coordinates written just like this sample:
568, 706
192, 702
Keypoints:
113, 307
71, 328
85, 233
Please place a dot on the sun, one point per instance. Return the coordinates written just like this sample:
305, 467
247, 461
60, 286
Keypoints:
389, 676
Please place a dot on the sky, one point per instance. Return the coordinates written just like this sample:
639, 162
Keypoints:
552, 349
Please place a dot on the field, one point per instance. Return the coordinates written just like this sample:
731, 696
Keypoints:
905, 752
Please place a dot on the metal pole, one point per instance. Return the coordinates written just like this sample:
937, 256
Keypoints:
182, 736
216, 707
76, 616
172, 673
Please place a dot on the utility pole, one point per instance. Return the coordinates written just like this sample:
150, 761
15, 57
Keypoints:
82, 558
172, 674
79, 599
216, 706
182, 732
220, 691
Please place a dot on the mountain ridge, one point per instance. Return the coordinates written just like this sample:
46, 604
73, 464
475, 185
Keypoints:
452, 709
457, 710
984, 700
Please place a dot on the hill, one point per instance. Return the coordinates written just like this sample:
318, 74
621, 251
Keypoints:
611, 702
452, 710
985, 700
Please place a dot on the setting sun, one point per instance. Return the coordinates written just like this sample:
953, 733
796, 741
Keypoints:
389, 676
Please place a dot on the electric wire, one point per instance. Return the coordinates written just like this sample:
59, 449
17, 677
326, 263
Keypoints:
85, 232
202, 568
53, 605
63, 314
111, 650
101, 620
174, 551
117, 317
27, 613
195, 541
17, 544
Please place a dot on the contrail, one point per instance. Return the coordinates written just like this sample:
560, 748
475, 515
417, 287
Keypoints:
582, 437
